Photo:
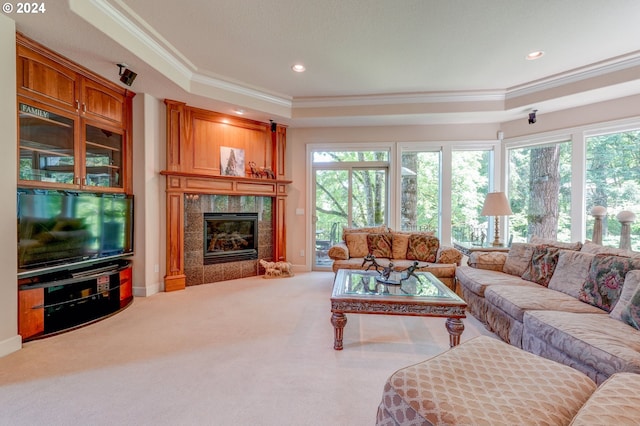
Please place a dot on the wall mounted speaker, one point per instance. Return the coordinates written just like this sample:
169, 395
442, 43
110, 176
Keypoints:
128, 76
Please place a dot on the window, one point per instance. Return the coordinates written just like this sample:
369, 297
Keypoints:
613, 181
350, 189
420, 199
539, 183
469, 187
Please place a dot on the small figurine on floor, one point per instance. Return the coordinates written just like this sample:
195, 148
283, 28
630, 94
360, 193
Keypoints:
276, 269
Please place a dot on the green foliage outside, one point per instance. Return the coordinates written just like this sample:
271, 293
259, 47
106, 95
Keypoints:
613, 181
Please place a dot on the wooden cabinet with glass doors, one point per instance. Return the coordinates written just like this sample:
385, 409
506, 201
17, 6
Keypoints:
74, 127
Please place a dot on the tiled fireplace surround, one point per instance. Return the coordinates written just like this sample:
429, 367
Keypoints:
195, 206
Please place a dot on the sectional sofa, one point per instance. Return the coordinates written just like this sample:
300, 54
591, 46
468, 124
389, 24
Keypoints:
402, 248
578, 304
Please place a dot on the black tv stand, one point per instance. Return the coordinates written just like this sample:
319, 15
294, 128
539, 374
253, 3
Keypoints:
52, 303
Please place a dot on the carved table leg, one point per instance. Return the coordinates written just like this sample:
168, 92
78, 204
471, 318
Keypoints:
455, 327
339, 320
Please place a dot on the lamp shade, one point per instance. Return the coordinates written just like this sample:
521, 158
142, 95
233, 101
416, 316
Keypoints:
496, 204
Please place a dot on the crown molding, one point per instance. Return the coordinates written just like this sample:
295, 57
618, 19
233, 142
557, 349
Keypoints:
400, 98
598, 69
241, 90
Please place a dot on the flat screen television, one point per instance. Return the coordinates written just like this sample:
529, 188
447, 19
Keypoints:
61, 228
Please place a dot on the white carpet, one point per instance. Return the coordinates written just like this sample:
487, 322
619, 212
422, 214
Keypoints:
243, 352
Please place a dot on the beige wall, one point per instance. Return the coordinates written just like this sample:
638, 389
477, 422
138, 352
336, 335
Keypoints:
10, 341
149, 136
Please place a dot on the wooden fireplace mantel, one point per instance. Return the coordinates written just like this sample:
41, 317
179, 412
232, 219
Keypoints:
194, 139
193, 183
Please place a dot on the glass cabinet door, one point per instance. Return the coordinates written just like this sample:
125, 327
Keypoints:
103, 157
46, 145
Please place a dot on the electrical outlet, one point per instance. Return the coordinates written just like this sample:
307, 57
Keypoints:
156, 268
301, 253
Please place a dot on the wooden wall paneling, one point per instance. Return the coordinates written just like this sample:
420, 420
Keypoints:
128, 144
175, 278
280, 234
175, 138
279, 151
206, 140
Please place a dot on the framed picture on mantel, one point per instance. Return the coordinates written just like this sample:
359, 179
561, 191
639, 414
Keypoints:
231, 161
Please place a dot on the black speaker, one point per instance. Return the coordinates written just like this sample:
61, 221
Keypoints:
128, 76
274, 126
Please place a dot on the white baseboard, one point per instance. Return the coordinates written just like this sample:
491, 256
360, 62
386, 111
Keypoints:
10, 345
146, 291
300, 268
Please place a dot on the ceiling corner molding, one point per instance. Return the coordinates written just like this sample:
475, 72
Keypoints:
216, 83
558, 80
399, 99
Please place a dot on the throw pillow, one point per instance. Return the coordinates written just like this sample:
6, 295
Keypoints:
606, 277
400, 243
366, 230
422, 247
629, 289
518, 259
490, 260
357, 244
543, 263
448, 255
571, 272
631, 314
380, 245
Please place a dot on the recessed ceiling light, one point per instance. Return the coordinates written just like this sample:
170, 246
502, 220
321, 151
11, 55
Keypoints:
535, 55
239, 111
298, 68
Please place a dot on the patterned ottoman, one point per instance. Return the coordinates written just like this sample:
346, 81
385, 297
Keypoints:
616, 402
484, 381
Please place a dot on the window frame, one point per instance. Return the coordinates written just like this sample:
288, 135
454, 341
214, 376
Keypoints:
577, 136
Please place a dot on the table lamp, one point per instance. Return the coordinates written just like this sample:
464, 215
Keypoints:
496, 204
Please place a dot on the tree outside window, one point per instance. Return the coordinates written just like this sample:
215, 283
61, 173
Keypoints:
540, 192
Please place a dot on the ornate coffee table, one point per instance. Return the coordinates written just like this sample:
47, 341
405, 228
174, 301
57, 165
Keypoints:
361, 292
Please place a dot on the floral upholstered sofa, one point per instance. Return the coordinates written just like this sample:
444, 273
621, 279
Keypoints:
402, 248
578, 304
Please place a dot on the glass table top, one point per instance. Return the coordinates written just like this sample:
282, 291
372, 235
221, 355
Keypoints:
369, 283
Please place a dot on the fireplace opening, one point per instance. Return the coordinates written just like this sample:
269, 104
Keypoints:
230, 237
